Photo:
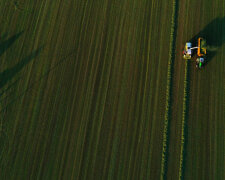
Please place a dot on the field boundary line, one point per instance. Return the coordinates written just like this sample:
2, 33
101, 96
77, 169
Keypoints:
173, 34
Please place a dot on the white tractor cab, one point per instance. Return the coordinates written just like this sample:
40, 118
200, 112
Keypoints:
187, 53
201, 52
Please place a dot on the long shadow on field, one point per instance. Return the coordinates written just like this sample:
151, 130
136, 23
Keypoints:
214, 34
5, 44
9, 73
45, 74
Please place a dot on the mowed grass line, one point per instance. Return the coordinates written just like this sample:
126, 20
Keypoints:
80, 88
140, 150
113, 103
84, 114
81, 105
91, 96
168, 89
143, 70
184, 116
61, 156
157, 94
82, 85
99, 88
41, 157
119, 77
54, 116
149, 75
89, 93
66, 131
119, 68
133, 58
175, 124
135, 168
122, 99
97, 117
139, 115
148, 114
136, 98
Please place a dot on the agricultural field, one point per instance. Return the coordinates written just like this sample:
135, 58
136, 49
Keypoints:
99, 90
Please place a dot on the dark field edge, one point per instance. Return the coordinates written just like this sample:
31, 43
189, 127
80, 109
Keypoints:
169, 93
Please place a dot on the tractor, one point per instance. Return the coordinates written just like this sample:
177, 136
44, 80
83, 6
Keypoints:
189, 52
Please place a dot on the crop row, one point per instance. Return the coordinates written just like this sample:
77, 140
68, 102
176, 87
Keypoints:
183, 120
168, 90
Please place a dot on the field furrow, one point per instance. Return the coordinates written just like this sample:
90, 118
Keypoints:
99, 90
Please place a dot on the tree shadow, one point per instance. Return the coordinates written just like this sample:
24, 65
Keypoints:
9, 73
5, 44
214, 34
45, 74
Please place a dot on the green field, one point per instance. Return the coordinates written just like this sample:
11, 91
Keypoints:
99, 90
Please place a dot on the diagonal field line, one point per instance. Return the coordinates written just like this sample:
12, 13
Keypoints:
43, 76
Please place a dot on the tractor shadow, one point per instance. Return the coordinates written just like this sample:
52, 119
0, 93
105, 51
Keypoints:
214, 34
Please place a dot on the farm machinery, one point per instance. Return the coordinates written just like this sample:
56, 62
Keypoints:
190, 51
